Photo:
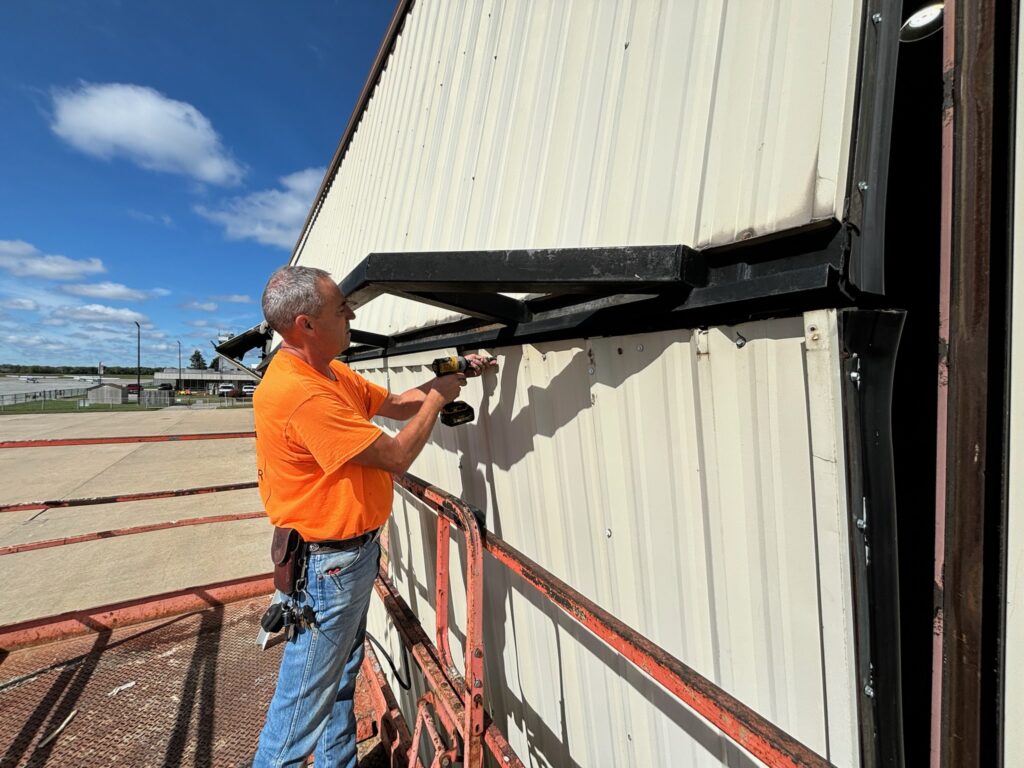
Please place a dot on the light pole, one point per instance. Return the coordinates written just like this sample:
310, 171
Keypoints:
138, 361
179, 368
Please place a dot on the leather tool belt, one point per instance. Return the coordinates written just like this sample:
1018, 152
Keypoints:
288, 551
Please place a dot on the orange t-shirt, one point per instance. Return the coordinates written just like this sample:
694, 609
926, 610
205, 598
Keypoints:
308, 428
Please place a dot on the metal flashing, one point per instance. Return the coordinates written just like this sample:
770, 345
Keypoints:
870, 340
869, 160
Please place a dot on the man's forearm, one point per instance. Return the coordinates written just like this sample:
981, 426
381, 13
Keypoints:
413, 436
407, 404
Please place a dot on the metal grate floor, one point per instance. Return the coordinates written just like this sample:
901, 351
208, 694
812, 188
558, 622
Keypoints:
192, 690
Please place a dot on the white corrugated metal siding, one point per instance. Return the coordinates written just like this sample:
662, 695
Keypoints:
693, 488
1013, 672
520, 124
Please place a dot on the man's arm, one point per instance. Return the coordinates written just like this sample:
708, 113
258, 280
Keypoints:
406, 405
396, 454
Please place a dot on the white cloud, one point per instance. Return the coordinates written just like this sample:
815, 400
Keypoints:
160, 292
200, 306
26, 304
141, 124
99, 313
25, 260
271, 216
109, 291
38, 343
234, 298
198, 323
151, 218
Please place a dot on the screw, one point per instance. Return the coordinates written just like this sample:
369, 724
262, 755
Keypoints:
639, 347
861, 523
478, 683
445, 762
590, 371
869, 691
478, 653
607, 533
862, 186
855, 377
741, 342
876, 18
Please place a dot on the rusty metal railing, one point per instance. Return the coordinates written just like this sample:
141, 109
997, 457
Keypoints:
457, 700
745, 727
73, 441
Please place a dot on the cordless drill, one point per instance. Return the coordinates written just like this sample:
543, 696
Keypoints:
456, 412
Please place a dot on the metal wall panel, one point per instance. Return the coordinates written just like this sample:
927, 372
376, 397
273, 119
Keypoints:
691, 486
520, 124
1013, 673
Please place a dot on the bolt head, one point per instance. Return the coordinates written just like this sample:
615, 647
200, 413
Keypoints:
876, 18
607, 533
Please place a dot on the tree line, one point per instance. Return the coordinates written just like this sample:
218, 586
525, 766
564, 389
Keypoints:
197, 362
75, 369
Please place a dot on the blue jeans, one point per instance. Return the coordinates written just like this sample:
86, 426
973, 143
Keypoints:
312, 706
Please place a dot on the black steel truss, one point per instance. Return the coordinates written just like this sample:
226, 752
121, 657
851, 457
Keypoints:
591, 291
472, 282
595, 291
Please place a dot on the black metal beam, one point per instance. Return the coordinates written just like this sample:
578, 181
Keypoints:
370, 339
492, 307
796, 270
629, 269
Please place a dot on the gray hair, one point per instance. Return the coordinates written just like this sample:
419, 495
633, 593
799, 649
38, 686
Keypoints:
290, 292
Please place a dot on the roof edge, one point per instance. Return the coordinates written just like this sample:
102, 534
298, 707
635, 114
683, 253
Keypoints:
402, 9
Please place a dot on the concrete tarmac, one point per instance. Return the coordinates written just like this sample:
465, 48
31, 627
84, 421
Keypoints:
55, 580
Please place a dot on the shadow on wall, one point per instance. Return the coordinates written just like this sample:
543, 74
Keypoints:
518, 406
512, 703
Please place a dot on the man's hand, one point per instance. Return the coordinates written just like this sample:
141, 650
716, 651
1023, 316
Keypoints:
448, 387
478, 364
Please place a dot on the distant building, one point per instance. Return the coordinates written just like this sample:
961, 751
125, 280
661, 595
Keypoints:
207, 379
107, 394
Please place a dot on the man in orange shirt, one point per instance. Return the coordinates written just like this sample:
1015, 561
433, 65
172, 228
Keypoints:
325, 470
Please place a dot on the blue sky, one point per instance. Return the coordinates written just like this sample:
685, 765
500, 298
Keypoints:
158, 160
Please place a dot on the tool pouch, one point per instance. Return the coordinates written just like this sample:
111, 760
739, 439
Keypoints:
288, 551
